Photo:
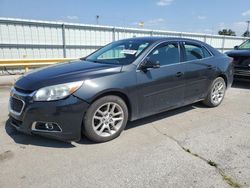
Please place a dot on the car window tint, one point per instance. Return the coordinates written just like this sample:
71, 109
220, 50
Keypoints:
245, 45
165, 54
206, 53
141, 47
123, 53
114, 53
193, 52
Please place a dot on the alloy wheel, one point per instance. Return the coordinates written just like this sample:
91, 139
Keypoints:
108, 119
218, 92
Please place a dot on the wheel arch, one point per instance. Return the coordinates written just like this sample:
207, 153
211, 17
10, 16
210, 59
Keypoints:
224, 77
118, 93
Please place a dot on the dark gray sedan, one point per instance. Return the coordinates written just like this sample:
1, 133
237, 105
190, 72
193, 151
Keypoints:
125, 80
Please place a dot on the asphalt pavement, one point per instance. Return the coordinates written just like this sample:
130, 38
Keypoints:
193, 146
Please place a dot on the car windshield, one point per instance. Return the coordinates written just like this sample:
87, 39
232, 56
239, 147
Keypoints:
245, 45
119, 52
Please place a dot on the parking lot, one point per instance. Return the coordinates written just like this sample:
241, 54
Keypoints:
193, 146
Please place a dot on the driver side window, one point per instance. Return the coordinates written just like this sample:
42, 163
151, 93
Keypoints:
165, 54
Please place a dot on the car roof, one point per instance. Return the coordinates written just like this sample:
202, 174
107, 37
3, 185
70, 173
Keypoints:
157, 39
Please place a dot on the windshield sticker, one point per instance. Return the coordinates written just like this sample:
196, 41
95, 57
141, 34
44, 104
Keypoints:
128, 51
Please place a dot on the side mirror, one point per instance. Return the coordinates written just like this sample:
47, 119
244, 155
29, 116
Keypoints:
236, 47
147, 64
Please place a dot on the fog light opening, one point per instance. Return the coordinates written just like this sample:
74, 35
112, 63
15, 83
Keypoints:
49, 126
46, 127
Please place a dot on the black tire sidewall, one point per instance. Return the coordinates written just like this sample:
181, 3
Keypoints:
87, 123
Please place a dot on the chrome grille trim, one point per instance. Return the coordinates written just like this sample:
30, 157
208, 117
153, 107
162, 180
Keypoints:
14, 94
13, 111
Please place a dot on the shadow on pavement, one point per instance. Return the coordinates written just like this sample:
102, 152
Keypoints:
21, 138
162, 115
36, 140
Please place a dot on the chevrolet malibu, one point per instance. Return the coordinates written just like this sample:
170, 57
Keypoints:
123, 81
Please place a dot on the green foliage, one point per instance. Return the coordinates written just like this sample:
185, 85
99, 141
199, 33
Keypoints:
227, 32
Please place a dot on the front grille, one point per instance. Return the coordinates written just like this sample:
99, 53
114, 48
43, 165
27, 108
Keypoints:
16, 105
241, 63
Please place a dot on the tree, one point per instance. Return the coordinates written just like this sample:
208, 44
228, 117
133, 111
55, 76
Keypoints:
228, 32
246, 34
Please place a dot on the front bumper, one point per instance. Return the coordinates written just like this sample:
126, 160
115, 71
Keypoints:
67, 113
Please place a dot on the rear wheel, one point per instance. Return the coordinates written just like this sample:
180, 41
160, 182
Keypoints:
216, 93
105, 119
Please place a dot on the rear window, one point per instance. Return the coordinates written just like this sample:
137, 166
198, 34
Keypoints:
206, 53
194, 52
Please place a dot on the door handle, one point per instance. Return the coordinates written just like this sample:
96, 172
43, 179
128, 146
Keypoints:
179, 74
210, 67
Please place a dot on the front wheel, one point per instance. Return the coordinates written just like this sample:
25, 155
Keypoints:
105, 119
216, 93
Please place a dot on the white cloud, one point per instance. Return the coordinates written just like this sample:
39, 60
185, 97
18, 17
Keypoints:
201, 17
164, 2
222, 25
246, 13
72, 17
157, 23
208, 31
239, 27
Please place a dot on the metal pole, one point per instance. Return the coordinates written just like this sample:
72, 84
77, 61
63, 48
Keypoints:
63, 41
248, 34
205, 38
223, 44
113, 34
97, 19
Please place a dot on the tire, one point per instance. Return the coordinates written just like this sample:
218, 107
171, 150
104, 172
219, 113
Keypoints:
105, 119
215, 94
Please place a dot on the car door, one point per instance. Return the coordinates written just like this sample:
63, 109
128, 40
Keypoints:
161, 88
199, 71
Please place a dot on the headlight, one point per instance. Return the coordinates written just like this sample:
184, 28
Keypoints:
57, 92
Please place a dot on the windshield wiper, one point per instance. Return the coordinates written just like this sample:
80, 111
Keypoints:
94, 61
83, 58
105, 62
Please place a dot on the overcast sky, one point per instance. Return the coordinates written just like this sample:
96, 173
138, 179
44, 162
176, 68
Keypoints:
178, 15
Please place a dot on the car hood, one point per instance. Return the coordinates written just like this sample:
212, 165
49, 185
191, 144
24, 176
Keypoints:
237, 53
63, 73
